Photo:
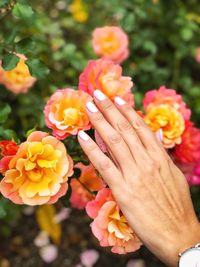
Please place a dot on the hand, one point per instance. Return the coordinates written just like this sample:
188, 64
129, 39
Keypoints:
151, 191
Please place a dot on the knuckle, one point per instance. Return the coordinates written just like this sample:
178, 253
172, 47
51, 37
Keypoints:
153, 166
124, 125
105, 165
91, 148
127, 108
98, 117
115, 138
107, 105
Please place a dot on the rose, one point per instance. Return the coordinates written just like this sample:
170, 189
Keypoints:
65, 112
106, 76
39, 171
163, 95
169, 120
109, 225
110, 42
84, 187
19, 79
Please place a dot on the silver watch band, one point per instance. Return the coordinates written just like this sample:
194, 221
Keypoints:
197, 246
190, 257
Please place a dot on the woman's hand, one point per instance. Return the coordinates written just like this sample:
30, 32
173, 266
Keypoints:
151, 191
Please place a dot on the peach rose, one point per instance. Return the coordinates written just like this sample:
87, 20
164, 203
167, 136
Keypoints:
110, 42
106, 76
166, 96
65, 112
84, 187
168, 119
19, 79
110, 226
39, 171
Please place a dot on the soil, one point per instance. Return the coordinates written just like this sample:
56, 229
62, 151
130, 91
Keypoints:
20, 251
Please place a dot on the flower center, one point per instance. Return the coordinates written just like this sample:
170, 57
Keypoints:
35, 174
119, 226
71, 116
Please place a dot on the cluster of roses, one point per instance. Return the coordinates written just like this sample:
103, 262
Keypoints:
36, 172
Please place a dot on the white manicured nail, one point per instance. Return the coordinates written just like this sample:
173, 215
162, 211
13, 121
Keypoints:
91, 107
159, 134
119, 101
83, 136
99, 95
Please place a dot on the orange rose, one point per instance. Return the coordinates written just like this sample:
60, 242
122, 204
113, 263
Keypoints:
169, 120
39, 171
83, 187
19, 79
110, 42
109, 225
65, 112
106, 76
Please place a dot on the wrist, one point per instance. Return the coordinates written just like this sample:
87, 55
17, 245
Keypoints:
189, 237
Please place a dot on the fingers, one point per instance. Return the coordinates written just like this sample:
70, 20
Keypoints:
147, 137
112, 138
101, 162
122, 125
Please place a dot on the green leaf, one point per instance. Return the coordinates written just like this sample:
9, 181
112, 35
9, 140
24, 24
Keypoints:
4, 112
30, 131
37, 68
25, 45
9, 37
9, 61
7, 134
22, 11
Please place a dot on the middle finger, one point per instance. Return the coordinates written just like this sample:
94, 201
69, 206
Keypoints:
112, 138
122, 125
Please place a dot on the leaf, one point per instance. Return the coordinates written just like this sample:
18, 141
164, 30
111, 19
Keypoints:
37, 68
22, 11
10, 61
45, 218
7, 134
25, 45
9, 37
4, 112
30, 131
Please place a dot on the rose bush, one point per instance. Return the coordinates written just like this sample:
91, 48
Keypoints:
154, 49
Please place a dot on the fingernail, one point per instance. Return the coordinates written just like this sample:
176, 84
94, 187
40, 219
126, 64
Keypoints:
83, 136
119, 101
159, 135
99, 95
91, 107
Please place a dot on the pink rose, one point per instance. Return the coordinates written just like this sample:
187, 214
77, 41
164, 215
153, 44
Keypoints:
109, 225
106, 76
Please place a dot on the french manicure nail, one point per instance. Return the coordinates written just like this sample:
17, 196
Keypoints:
91, 107
99, 95
83, 136
119, 101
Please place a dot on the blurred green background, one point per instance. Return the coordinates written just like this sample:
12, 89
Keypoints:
56, 37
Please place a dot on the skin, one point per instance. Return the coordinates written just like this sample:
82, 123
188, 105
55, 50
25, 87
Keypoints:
151, 191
